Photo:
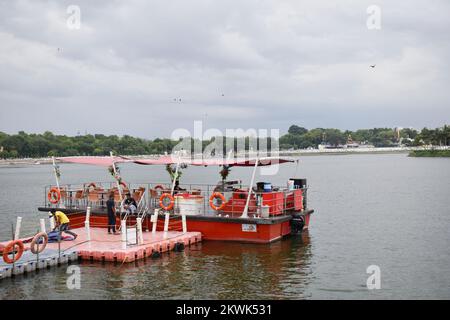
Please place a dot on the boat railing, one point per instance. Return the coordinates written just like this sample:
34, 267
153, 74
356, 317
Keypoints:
226, 199
230, 200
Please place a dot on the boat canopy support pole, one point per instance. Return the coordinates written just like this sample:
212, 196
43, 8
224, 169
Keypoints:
117, 181
250, 190
56, 172
175, 177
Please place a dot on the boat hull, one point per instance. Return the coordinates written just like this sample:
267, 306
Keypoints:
241, 232
252, 230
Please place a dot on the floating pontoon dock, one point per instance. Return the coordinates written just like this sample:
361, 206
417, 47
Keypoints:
97, 245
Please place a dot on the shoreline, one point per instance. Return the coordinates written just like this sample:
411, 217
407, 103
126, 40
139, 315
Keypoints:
433, 153
314, 152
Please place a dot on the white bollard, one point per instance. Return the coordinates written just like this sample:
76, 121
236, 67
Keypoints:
42, 221
166, 224
52, 222
123, 228
88, 214
18, 225
87, 224
183, 221
154, 220
139, 230
87, 227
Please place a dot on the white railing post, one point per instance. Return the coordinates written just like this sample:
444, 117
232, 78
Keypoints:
123, 226
87, 224
42, 222
52, 222
154, 220
183, 221
250, 190
18, 226
166, 224
139, 230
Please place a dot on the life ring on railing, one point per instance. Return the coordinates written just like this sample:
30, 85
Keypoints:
54, 195
10, 248
159, 188
217, 195
171, 204
35, 246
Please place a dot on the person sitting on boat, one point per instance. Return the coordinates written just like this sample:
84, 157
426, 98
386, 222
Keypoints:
62, 223
130, 204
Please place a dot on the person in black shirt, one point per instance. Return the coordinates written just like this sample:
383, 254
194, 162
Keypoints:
130, 204
111, 207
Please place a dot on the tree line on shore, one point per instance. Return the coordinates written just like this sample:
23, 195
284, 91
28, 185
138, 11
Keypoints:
23, 145
301, 138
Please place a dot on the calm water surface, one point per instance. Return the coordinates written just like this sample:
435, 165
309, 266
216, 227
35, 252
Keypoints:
385, 210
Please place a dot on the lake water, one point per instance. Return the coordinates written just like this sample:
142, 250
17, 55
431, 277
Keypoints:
386, 210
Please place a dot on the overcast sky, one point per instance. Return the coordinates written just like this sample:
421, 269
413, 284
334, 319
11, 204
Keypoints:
235, 64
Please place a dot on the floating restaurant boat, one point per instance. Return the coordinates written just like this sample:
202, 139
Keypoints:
228, 211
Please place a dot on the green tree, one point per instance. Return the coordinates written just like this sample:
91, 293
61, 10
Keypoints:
296, 130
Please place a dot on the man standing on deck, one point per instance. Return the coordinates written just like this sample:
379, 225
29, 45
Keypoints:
111, 207
62, 223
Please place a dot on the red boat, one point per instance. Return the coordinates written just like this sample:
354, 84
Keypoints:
228, 211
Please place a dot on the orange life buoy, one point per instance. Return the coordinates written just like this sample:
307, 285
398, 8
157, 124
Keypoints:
54, 195
171, 204
10, 249
35, 247
217, 195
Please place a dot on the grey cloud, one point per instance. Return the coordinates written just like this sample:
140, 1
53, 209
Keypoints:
276, 62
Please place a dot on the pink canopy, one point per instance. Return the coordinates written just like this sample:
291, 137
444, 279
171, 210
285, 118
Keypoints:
239, 162
243, 162
97, 161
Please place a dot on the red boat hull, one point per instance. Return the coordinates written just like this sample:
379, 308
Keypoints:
235, 232
212, 228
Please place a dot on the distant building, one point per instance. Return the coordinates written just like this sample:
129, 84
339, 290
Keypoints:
329, 146
1, 149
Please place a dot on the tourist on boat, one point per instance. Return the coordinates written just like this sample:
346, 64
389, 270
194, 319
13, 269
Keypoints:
177, 187
130, 204
111, 208
62, 223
